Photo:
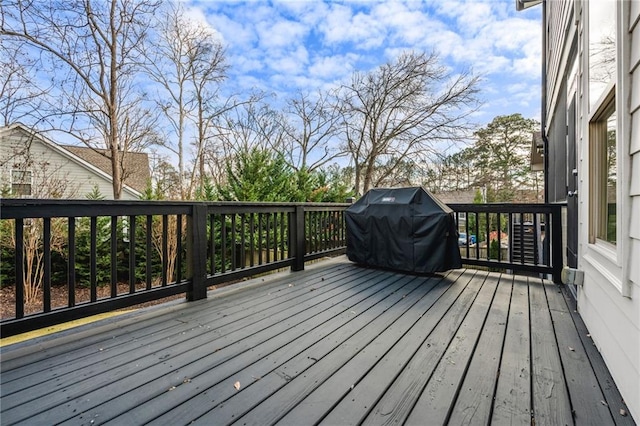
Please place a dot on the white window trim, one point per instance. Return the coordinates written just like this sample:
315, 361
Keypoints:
600, 258
13, 182
600, 109
613, 261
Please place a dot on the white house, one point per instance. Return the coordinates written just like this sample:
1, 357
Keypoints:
33, 166
591, 139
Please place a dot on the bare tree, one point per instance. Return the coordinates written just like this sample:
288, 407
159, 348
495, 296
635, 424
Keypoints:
93, 46
404, 109
20, 98
311, 129
251, 124
187, 60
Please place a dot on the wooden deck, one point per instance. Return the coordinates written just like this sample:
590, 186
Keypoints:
336, 344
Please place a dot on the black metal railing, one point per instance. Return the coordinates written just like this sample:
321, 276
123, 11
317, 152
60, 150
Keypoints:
512, 237
109, 255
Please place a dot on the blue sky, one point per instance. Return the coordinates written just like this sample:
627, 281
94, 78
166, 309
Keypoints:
289, 45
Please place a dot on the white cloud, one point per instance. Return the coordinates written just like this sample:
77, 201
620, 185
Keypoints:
332, 67
234, 33
280, 33
288, 45
342, 25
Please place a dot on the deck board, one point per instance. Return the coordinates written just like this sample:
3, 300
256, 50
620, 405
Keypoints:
584, 389
312, 368
397, 402
265, 358
318, 402
334, 344
551, 403
475, 398
513, 392
437, 398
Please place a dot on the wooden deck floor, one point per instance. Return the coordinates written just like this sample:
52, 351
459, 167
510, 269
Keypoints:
336, 344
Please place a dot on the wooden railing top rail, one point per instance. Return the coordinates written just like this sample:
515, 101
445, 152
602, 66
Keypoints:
14, 208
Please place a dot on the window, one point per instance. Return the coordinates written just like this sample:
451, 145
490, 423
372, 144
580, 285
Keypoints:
602, 49
603, 161
21, 181
604, 170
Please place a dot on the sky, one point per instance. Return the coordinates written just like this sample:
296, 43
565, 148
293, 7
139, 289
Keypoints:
289, 45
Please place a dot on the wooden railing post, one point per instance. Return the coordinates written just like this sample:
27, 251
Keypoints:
297, 238
556, 243
197, 252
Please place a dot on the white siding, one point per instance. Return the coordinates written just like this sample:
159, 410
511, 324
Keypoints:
635, 130
610, 275
614, 320
54, 174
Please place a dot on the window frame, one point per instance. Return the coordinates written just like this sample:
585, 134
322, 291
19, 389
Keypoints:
23, 182
598, 171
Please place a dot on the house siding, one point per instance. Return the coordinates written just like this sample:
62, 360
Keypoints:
558, 27
634, 147
609, 299
54, 174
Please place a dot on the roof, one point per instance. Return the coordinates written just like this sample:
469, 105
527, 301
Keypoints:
458, 197
136, 164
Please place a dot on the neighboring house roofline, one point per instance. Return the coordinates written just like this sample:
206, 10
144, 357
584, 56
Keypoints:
135, 171
59, 149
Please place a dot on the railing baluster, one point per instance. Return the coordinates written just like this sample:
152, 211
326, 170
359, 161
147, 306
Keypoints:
268, 238
274, 236
325, 227
165, 250
46, 291
282, 226
148, 253
535, 239
93, 258
234, 246
487, 220
477, 216
511, 242
259, 238
223, 243
499, 236
252, 236
547, 238
243, 246
466, 230
179, 253
132, 254
521, 238
212, 244
19, 256
312, 231
71, 277
114, 256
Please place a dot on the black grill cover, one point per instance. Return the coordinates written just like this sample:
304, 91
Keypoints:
407, 229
